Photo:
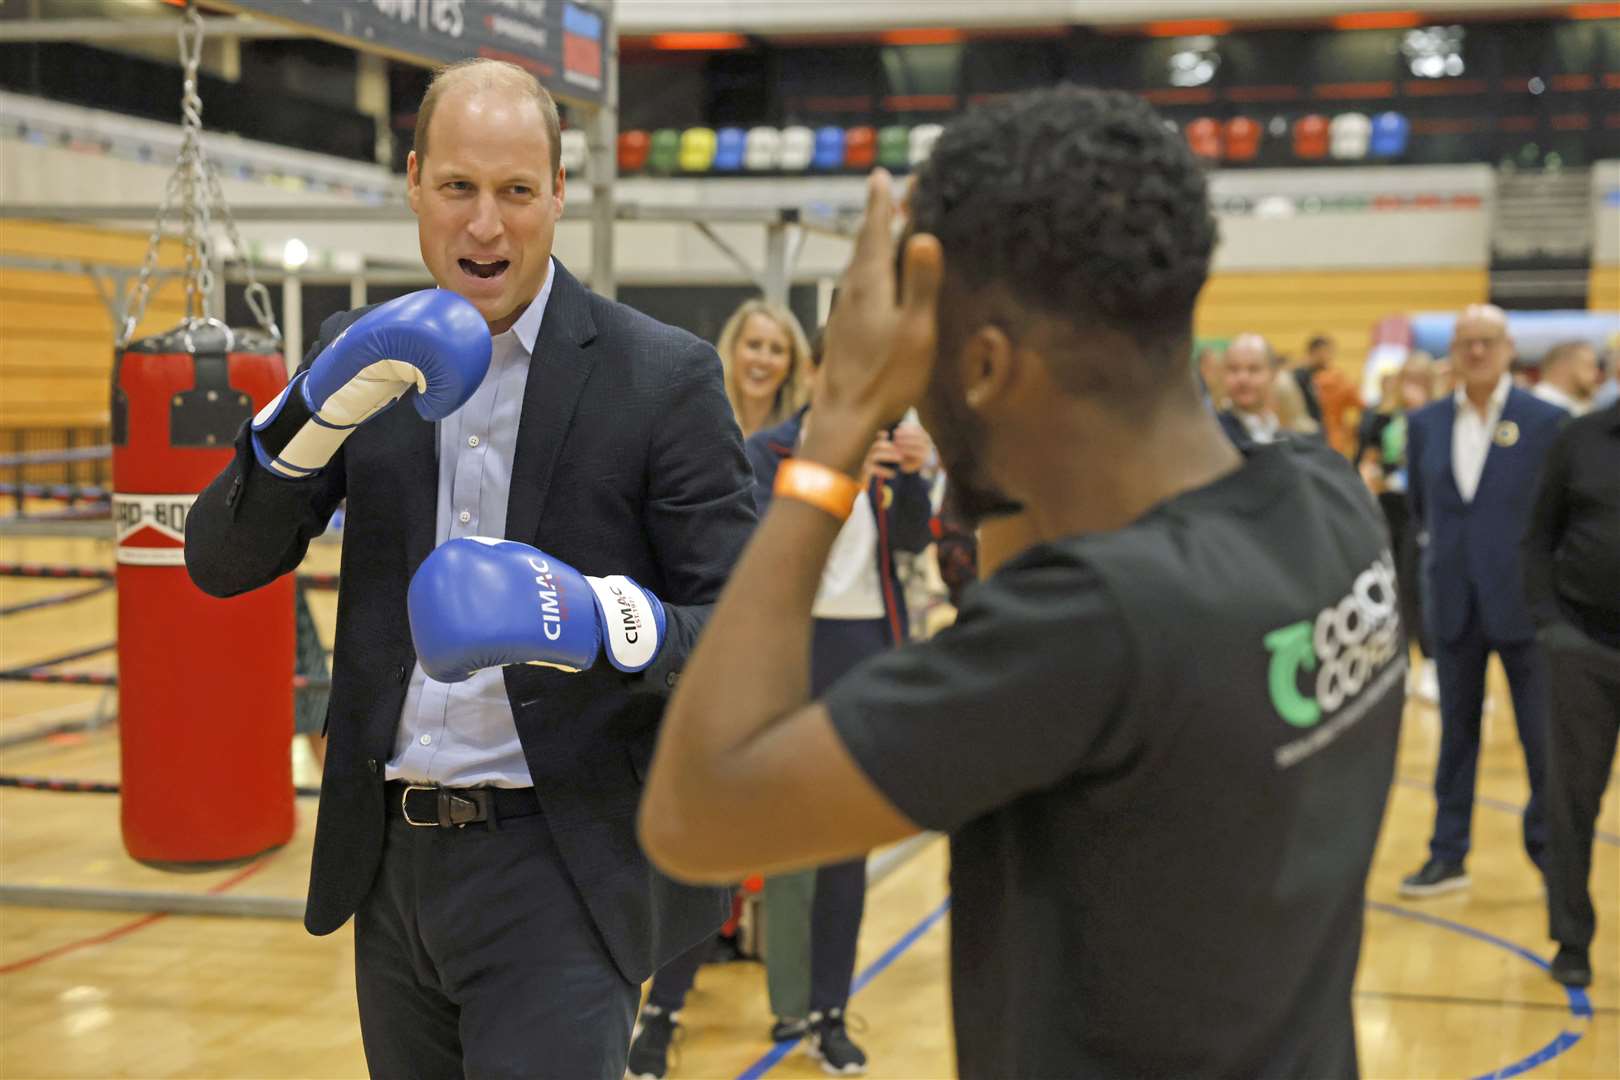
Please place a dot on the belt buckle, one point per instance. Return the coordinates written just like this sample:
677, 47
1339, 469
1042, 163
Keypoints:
404, 805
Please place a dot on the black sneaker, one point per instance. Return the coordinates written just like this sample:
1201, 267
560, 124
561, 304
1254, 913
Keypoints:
1572, 966
831, 1045
1436, 877
649, 1053
787, 1030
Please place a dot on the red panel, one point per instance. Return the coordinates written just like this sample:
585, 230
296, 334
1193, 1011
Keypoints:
1204, 137
633, 149
860, 148
1242, 139
1311, 137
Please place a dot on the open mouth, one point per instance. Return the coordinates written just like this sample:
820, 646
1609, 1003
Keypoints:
480, 268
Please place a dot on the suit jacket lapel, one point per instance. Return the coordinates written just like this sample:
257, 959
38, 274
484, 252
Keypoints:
1495, 461
558, 370
422, 485
1443, 450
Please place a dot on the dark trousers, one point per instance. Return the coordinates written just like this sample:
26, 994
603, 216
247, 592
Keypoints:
1403, 546
1460, 666
475, 957
837, 645
835, 929
674, 980
1581, 734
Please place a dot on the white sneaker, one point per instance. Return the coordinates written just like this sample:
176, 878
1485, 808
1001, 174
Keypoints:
1428, 683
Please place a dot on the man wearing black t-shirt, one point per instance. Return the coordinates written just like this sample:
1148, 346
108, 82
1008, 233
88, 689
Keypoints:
1161, 737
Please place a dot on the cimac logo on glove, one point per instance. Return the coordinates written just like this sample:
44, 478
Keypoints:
1337, 666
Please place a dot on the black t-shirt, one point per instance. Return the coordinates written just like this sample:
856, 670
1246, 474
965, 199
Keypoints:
1162, 754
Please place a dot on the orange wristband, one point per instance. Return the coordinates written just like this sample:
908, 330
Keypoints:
821, 487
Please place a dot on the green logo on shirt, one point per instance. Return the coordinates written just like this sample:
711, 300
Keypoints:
1341, 647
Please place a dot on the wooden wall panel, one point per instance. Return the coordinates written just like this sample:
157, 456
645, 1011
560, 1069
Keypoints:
1291, 307
1603, 289
56, 335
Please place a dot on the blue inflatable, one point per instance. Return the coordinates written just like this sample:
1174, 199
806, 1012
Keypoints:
1533, 332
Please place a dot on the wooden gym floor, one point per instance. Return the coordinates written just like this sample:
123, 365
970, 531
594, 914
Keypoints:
1448, 988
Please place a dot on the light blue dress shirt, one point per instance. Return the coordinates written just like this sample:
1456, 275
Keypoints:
462, 734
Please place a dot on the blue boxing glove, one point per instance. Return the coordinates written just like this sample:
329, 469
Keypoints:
431, 345
476, 602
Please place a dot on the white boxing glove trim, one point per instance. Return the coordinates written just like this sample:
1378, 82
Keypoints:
370, 390
629, 626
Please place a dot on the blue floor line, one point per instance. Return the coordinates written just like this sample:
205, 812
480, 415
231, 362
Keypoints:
782, 1049
1580, 1006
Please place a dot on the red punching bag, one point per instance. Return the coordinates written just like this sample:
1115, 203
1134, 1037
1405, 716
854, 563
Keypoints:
204, 685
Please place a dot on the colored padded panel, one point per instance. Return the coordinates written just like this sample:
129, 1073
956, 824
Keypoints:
923, 138
1390, 133
1242, 139
894, 147
1204, 138
1311, 137
764, 150
860, 148
829, 152
697, 149
665, 155
730, 147
798, 147
575, 152
1349, 135
633, 149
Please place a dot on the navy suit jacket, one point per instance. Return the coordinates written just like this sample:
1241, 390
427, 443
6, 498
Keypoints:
1471, 574
628, 461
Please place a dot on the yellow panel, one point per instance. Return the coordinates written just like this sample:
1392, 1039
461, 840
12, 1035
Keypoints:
1603, 289
56, 335
53, 240
1291, 307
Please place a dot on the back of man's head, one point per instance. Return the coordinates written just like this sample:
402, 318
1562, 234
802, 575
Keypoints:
1074, 207
1572, 367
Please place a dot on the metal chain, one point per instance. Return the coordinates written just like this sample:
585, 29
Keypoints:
199, 254
258, 297
143, 285
197, 181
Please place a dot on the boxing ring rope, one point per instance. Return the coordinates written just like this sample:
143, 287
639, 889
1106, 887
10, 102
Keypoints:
54, 601
25, 458
56, 492
40, 673
94, 787
98, 720
96, 573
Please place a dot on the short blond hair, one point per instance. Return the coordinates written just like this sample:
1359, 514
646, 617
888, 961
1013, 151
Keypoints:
794, 389
1288, 402
488, 75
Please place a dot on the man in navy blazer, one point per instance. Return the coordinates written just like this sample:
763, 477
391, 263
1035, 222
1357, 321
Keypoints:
481, 834
1473, 460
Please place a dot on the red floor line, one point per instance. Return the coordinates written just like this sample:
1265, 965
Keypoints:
128, 928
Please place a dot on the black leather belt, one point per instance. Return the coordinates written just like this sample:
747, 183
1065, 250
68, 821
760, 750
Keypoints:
430, 806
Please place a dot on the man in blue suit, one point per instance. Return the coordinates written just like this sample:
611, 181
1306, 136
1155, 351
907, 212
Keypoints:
1473, 460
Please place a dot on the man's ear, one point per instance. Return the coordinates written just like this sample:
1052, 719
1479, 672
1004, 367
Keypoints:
413, 182
988, 364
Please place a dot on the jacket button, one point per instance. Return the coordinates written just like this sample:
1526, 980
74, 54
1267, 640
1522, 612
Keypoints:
671, 679
236, 490
371, 763
404, 673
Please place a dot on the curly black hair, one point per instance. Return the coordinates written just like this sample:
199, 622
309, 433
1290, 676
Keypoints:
1082, 203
